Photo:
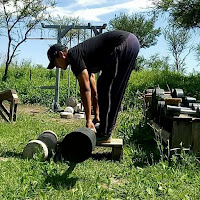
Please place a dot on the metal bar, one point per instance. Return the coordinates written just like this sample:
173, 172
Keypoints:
56, 99
69, 81
76, 87
57, 86
48, 87
41, 38
69, 27
183, 110
74, 26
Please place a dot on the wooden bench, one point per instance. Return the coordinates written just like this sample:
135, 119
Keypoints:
10, 96
117, 148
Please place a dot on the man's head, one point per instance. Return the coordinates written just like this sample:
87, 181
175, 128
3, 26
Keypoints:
57, 54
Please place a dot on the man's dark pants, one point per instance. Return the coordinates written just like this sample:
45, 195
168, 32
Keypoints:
112, 83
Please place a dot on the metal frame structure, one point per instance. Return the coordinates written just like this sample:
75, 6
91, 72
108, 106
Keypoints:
62, 30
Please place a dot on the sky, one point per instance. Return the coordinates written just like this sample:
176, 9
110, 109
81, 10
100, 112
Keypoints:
96, 12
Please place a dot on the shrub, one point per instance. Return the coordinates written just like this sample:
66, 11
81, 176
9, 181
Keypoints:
27, 81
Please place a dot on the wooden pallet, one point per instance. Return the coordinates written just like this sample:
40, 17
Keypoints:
185, 130
117, 148
12, 98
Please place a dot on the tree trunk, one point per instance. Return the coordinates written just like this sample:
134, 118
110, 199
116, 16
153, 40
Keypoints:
5, 73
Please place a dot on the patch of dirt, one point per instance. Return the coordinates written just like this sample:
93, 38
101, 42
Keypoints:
3, 159
31, 109
114, 181
35, 110
73, 121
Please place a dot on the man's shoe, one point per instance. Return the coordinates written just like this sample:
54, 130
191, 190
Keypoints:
103, 138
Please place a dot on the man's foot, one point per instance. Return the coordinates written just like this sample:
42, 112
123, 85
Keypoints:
100, 138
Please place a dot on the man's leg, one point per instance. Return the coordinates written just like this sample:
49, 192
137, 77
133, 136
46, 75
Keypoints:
127, 53
104, 85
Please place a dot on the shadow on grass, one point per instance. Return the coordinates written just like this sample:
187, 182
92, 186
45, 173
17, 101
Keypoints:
62, 181
146, 151
102, 156
8, 154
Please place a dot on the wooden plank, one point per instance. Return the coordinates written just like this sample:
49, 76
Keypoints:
196, 135
117, 147
165, 135
15, 113
173, 101
117, 153
11, 111
117, 142
8, 95
13, 99
3, 115
4, 108
182, 131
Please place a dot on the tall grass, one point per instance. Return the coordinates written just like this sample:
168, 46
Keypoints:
139, 81
27, 81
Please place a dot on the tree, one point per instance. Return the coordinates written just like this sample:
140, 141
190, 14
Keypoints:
198, 52
137, 23
18, 18
154, 62
177, 39
186, 13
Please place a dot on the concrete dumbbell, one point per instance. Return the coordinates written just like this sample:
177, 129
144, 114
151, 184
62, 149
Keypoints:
188, 100
76, 146
45, 145
72, 101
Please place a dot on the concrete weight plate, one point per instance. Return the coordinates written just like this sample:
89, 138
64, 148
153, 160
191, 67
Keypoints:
50, 139
35, 147
66, 115
51, 132
72, 101
177, 93
69, 109
79, 115
78, 108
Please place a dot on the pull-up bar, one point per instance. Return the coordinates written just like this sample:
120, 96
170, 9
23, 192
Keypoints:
63, 29
41, 38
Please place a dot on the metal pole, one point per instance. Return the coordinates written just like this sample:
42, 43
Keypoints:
56, 99
69, 68
68, 82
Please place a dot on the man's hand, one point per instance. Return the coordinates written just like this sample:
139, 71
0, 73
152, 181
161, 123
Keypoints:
90, 125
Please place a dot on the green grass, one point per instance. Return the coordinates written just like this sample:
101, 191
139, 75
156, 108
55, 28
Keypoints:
140, 175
